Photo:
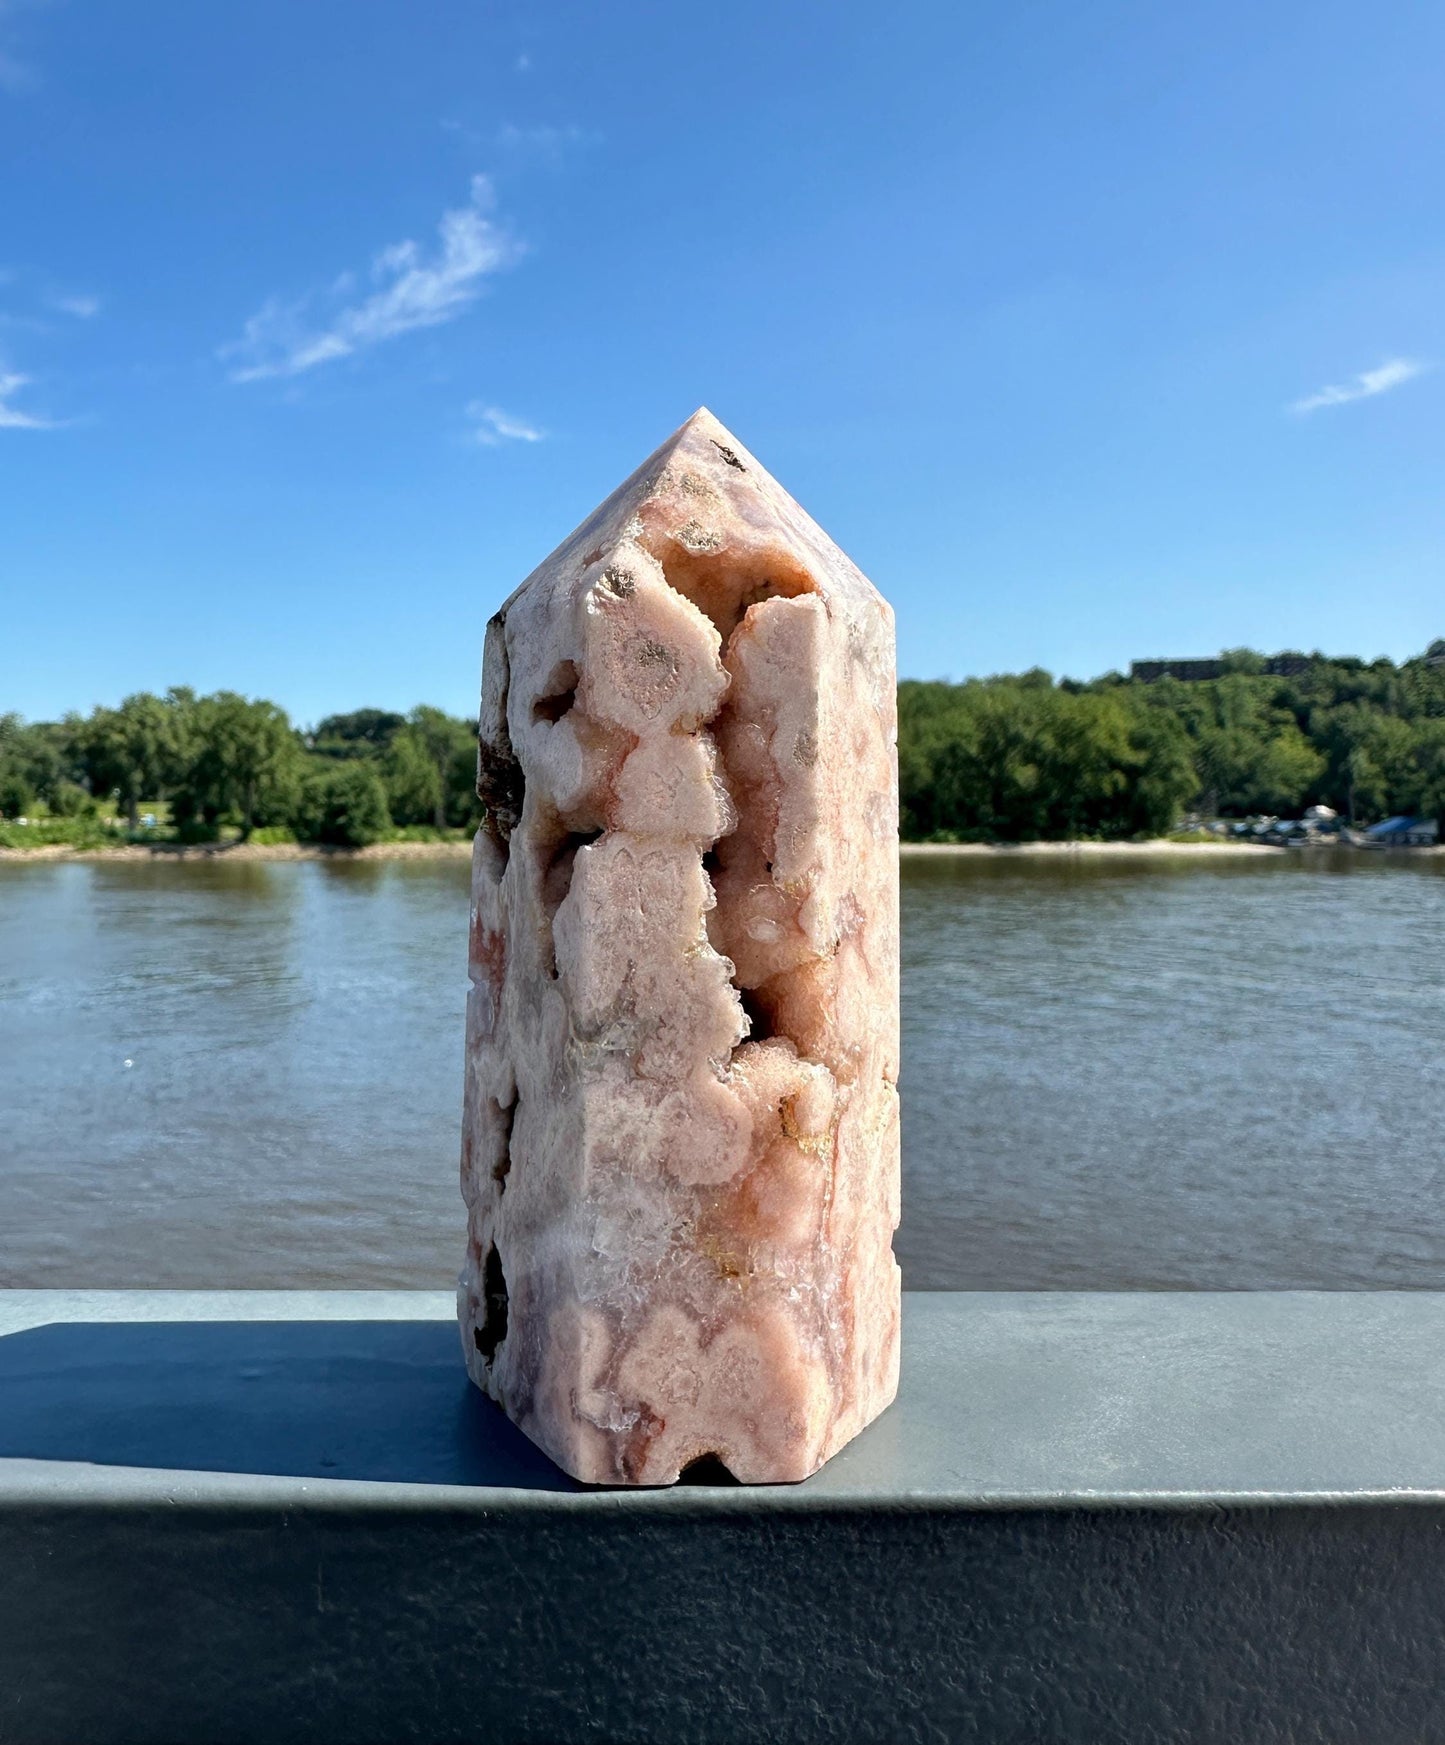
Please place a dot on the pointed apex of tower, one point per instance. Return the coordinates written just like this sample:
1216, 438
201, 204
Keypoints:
703, 501
709, 428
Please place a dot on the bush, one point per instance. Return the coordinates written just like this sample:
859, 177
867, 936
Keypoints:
70, 800
344, 806
429, 833
190, 830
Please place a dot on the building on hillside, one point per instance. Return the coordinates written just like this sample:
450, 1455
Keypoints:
1186, 671
1435, 654
1277, 666
1288, 666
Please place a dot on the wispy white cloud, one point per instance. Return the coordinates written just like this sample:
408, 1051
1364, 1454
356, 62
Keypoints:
491, 426
549, 143
1364, 386
412, 289
82, 308
543, 142
11, 417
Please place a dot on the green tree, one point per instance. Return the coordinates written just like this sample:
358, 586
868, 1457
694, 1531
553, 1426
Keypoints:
1160, 777
1426, 794
242, 760
343, 803
17, 795
129, 751
414, 786
361, 733
35, 762
1249, 751
1011, 759
1370, 759
450, 747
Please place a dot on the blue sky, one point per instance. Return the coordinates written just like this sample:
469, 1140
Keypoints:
1093, 333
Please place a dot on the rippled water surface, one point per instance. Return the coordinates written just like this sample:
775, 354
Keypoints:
1160, 1074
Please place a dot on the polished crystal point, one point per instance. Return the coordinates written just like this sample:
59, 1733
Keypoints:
680, 1149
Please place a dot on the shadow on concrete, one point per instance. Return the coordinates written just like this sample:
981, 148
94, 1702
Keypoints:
385, 1400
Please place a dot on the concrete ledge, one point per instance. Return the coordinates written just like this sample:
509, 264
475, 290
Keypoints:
278, 1515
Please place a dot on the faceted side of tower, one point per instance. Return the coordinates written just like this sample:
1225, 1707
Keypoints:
680, 1152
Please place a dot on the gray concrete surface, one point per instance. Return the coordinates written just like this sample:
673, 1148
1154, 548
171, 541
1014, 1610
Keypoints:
274, 1515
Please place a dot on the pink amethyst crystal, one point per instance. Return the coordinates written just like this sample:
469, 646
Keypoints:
680, 1148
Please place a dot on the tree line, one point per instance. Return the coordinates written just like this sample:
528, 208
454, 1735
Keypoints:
1013, 758
227, 761
1022, 757
1025, 758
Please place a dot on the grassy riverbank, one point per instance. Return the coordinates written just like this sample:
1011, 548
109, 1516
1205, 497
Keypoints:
460, 849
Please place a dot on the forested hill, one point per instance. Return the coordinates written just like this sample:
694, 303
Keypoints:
1007, 759
1022, 757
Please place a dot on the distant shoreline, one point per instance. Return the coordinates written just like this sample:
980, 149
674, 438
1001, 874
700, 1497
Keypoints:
213, 851
1153, 849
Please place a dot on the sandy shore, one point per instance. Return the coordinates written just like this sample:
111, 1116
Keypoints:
1155, 847
246, 851
461, 850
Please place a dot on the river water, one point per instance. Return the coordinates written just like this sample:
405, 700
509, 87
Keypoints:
1171, 1073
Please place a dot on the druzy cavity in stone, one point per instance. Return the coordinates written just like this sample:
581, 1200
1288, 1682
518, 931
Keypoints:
680, 1146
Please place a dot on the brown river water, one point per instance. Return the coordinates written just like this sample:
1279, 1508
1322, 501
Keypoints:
1116, 1074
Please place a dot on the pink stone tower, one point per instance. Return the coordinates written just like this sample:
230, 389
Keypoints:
680, 1145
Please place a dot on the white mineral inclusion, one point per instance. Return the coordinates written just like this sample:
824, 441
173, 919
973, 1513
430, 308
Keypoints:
680, 1146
